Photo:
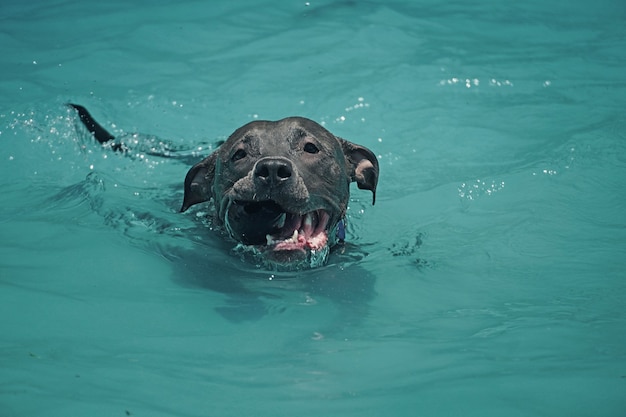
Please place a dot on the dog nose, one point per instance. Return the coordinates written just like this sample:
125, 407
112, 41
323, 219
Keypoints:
273, 171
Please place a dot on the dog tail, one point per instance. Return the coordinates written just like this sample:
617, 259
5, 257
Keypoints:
100, 133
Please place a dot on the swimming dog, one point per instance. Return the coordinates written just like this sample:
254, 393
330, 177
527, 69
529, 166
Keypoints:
280, 188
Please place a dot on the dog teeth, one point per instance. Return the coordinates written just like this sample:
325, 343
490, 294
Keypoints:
293, 239
307, 224
280, 223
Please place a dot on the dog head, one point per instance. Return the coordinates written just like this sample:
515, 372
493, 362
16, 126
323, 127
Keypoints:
282, 187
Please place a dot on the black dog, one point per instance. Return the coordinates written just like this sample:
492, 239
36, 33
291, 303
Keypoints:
279, 188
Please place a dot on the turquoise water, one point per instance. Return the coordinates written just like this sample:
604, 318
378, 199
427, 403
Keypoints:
488, 279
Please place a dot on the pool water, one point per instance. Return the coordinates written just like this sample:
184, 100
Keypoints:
488, 280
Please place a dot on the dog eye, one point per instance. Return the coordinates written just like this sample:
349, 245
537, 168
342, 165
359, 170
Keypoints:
240, 154
311, 148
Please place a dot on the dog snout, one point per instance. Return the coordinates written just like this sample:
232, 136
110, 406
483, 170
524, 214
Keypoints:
273, 172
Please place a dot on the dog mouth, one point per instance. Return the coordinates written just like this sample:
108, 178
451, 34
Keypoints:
270, 227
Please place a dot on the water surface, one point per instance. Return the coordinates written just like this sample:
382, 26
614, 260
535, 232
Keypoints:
488, 279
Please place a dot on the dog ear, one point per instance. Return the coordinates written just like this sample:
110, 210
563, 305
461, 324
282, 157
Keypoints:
199, 182
363, 166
